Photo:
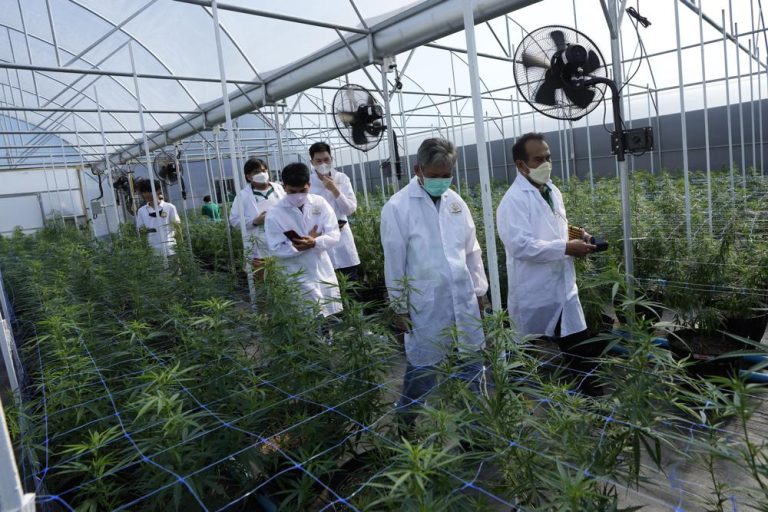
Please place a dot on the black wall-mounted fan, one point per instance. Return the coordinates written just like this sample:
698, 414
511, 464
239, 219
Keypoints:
165, 168
561, 73
549, 62
358, 117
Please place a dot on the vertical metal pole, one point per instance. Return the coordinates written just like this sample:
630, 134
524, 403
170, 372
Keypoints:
752, 107
224, 198
572, 149
622, 165
183, 200
760, 112
53, 32
381, 169
489, 148
390, 128
563, 164
145, 142
482, 156
658, 130
58, 190
463, 152
189, 181
208, 171
70, 200
728, 108
453, 136
108, 164
650, 121
504, 150
233, 155
86, 207
741, 110
363, 178
29, 52
683, 127
12, 493
279, 135
404, 135
706, 120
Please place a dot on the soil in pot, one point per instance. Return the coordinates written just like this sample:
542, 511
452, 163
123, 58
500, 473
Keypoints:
703, 348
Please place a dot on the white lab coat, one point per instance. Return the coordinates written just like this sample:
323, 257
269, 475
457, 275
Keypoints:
343, 254
253, 205
318, 280
542, 279
163, 238
439, 253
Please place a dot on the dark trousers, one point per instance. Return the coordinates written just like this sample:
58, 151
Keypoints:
579, 359
350, 272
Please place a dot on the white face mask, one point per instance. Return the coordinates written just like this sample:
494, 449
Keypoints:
296, 200
541, 173
324, 169
260, 178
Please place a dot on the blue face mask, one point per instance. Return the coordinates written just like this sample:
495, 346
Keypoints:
436, 187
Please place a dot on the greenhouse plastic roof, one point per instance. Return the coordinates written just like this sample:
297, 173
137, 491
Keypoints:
176, 38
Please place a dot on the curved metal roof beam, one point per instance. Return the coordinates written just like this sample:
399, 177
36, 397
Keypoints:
52, 133
142, 45
79, 92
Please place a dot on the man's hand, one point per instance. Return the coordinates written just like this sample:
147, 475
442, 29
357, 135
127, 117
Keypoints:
578, 248
304, 243
330, 185
402, 323
258, 221
307, 242
483, 304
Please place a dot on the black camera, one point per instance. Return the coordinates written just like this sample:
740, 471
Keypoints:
600, 243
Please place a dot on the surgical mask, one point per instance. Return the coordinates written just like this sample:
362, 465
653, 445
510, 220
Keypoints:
296, 200
436, 187
324, 169
260, 178
541, 173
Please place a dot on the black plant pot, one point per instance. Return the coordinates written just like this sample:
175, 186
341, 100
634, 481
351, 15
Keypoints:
752, 328
703, 349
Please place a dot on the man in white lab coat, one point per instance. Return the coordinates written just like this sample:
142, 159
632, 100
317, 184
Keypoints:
336, 188
158, 219
300, 229
531, 220
258, 196
429, 241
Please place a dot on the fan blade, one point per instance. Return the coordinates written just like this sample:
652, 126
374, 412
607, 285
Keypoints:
534, 61
546, 91
358, 134
582, 98
593, 62
559, 38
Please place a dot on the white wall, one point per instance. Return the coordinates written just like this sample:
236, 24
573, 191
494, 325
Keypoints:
27, 197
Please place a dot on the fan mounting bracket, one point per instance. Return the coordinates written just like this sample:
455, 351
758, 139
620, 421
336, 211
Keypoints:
633, 140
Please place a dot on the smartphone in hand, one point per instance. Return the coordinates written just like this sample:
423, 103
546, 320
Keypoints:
291, 235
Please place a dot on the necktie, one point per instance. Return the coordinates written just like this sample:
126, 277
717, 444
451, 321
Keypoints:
546, 193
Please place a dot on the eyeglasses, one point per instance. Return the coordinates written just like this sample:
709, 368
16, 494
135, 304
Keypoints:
154, 214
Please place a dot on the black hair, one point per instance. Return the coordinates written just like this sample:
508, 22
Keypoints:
518, 150
319, 147
145, 186
295, 174
207, 199
254, 165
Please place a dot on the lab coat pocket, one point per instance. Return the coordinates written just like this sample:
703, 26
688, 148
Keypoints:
421, 299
